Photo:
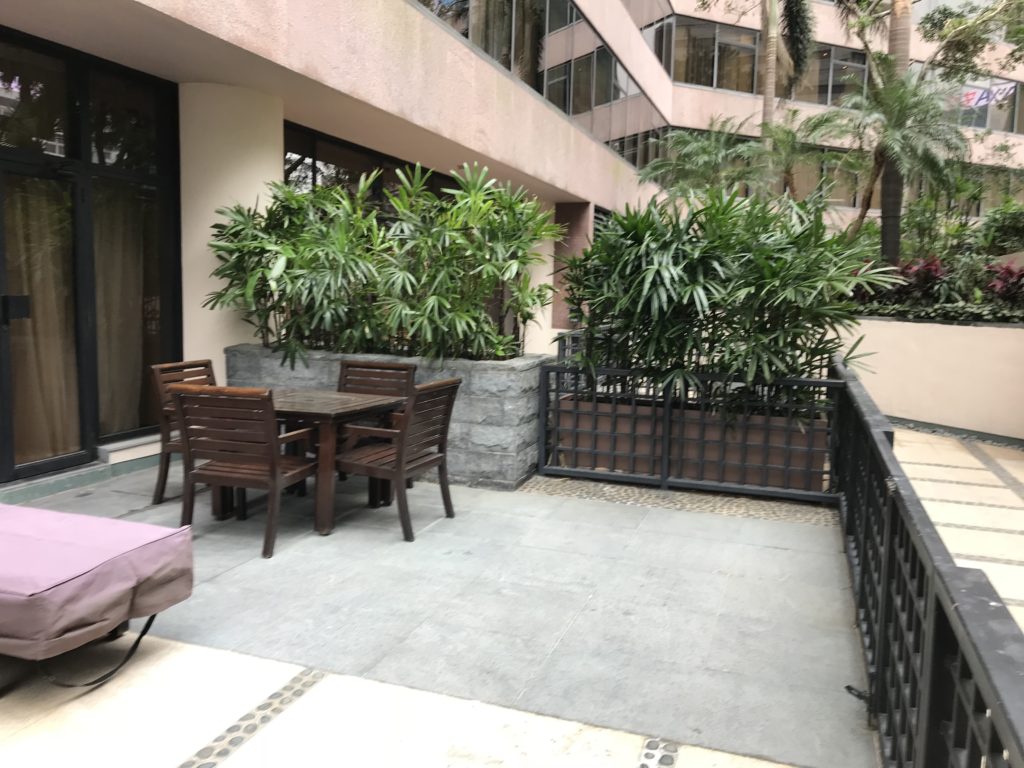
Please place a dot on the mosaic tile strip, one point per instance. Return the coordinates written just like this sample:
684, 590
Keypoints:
658, 753
249, 724
690, 501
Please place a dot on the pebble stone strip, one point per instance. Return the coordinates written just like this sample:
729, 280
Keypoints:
691, 501
249, 724
658, 753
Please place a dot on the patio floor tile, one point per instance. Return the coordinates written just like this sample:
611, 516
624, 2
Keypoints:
171, 698
970, 494
953, 513
345, 721
720, 630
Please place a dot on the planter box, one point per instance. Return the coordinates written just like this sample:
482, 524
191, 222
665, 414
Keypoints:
493, 437
770, 452
963, 376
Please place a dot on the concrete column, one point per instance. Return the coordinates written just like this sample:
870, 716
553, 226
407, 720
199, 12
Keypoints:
232, 145
578, 220
539, 338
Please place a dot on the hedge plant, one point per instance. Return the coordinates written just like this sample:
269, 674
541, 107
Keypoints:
757, 289
422, 274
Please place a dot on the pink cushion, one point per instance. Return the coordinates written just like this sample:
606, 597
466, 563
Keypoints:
68, 579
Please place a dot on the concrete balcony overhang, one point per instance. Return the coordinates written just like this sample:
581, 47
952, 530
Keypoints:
384, 75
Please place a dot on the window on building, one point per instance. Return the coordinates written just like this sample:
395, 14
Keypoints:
33, 101
813, 85
110, 212
490, 29
715, 55
737, 59
583, 84
561, 13
658, 37
832, 73
604, 76
849, 73
694, 52
312, 160
557, 87
991, 104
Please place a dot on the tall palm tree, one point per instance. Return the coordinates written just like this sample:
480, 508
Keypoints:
794, 22
900, 26
902, 121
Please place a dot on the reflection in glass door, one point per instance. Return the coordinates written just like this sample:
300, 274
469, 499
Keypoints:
38, 357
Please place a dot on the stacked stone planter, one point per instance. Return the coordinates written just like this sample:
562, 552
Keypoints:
493, 437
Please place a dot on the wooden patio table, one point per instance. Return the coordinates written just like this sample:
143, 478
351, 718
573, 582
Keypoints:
326, 409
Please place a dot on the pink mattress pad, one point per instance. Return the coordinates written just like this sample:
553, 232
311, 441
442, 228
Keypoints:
68, 579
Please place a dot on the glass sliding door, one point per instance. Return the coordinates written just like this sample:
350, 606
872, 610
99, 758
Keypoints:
89, 258
41, 358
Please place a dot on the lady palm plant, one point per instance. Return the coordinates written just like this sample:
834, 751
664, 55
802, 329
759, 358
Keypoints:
443, 277
754, 289
456, 278
299, 271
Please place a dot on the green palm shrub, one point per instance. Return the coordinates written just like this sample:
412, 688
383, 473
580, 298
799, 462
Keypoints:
452, 258
303, 271
757, 289
438, 276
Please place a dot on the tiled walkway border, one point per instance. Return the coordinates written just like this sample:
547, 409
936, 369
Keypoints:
248, 725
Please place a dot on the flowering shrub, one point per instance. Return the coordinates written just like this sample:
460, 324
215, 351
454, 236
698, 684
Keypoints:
1007, 283
970, 288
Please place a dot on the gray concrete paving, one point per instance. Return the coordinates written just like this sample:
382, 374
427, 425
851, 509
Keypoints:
730, 633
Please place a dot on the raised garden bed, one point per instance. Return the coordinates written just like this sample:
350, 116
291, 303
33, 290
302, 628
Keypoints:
493, 437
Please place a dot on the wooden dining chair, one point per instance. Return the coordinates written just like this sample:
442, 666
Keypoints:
378, 378
416, 442
199, 372
235, 431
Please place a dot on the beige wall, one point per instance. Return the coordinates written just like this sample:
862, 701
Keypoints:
232, 143
969, 377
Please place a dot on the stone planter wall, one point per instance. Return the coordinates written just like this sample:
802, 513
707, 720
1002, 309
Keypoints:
493, 438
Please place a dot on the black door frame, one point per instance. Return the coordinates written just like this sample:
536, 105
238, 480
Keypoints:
77, 168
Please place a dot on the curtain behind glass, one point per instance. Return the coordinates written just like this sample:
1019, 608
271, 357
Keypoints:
128, 315
44, 363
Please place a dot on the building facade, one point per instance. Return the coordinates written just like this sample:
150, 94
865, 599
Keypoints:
125, 125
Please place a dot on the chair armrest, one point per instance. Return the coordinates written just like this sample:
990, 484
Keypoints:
358, 430
298, 434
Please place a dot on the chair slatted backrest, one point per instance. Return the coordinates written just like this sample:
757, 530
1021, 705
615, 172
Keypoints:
235, 425
187, 372
386, 379
427, 417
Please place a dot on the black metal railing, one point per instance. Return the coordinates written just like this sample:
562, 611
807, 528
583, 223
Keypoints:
702, 432
945, 659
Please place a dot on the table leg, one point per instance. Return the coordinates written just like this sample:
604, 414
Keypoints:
325, 477
222, 501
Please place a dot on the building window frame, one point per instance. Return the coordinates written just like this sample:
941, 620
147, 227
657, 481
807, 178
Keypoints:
78, 167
